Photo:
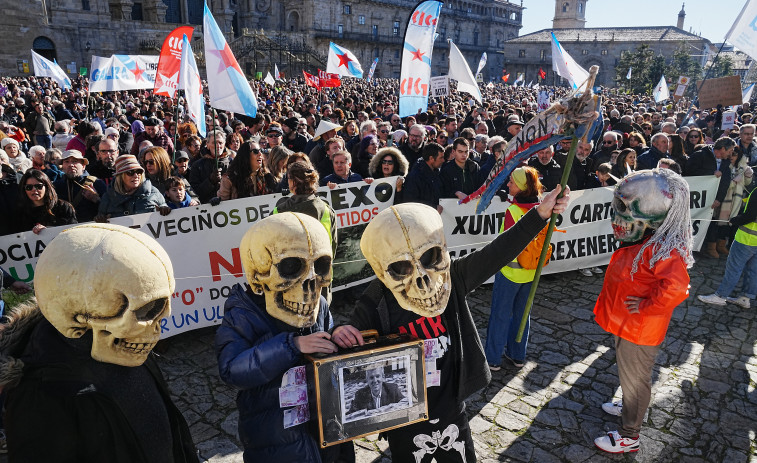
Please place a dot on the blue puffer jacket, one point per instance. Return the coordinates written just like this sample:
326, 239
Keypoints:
147, 198
254, 350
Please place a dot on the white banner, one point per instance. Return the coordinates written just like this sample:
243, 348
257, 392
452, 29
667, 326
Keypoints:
123, 72
203, 241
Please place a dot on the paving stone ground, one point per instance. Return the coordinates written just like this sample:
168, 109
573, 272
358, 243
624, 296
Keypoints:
704, 407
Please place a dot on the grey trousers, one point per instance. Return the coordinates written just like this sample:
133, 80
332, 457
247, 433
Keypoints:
635, 363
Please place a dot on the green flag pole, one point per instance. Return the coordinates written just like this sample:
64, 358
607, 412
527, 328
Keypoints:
550, 228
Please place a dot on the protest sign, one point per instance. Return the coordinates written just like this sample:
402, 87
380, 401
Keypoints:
203, 241
729, 118
440, 86
725, 91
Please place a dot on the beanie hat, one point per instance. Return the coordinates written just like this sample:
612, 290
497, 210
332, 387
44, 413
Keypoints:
127, 162
519, 178
7, 141
292, 123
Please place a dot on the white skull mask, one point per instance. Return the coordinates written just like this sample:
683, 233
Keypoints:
406, 247
112, 280
641, 202
288, 257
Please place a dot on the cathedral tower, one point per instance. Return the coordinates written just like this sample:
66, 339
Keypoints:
569, 14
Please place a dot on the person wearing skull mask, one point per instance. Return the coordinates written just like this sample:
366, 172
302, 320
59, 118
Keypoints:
421, 292
268, 327
646, 280
80, 381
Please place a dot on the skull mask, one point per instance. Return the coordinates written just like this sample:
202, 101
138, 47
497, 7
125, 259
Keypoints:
112, 280
406, 247
641, 202
288, 257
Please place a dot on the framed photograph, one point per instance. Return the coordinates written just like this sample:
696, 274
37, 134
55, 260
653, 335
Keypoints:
365, 390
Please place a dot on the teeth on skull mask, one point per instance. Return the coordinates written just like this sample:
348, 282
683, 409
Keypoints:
112, 280
287, 257
406, 247
641, 202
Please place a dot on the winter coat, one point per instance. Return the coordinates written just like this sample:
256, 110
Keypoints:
254, 351
146, 198
422, 185
662, 287
60, 405
400, 164
162, 140
455, 179
62, 213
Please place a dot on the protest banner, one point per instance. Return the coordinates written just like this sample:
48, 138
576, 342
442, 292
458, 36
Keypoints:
203, 241
123, 72
440, 86
729, 119
724, 90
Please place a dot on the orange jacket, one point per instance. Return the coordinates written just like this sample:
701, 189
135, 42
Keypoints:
663, 288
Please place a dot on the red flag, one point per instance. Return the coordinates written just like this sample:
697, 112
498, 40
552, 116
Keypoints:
505, 77
329, 79
542, 74
311, 80
167, 76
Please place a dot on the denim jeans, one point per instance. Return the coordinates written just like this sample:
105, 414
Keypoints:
46, 141
508, 305
741, 259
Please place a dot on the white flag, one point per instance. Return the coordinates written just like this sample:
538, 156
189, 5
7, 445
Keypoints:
661, 92
746, 95
481, 63
743, 33
459, 70
269, 79
276, 74
628, 76
190, 81
566, 66
43, 67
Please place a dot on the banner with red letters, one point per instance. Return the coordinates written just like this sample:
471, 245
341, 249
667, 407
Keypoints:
415, 74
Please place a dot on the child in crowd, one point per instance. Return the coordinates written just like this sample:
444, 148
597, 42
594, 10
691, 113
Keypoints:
602, 177
176, 194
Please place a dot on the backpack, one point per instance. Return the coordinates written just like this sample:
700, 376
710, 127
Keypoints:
529, 257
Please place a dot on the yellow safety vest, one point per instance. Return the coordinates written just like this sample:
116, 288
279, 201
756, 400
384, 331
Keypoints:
747, 234
325, 221
513, 271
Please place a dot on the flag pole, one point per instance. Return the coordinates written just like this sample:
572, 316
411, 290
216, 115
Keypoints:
553, 219
176, 121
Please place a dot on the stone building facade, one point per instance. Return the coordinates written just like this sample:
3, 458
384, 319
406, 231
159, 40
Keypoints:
261, 32
602, 46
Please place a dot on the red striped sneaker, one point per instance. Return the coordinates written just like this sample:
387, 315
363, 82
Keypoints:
614, 443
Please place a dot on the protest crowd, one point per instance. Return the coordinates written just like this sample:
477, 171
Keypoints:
72, 157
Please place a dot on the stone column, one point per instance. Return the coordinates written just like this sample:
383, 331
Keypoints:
155, 11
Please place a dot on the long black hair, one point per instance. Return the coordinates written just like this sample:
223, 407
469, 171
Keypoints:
50, 198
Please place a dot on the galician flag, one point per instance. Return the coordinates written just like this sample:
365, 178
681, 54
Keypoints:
341, 61
746, 95
227, 85
481, 63
628, 76
43, 67
276, 74
566, 66
743, 33
190, 81
661, 92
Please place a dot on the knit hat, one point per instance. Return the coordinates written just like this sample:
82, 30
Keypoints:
127, 162
7, 141
519, 178
292, 123
111, 131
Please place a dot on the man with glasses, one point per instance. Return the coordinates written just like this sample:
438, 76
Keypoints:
79, 188
273, 135
396, 122
104, 166
604, 154
416, 141
747, 146
384, 129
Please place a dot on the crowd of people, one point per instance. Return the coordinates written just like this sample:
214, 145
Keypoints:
69, 157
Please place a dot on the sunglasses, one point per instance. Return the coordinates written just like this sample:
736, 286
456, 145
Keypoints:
255, 151
694, 136
133, 172
384, 131
274, 135
34, 186
387, 162
608, 142
149, 162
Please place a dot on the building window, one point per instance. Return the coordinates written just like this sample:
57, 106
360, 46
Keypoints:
565, 7
136, 12
340, 31
475, 37
375, 31
584, 52
470, 10
396, 28
347, 9
521, 53
396, 53
580, 7
375, 52
604, 52
85, 5
361, 19
543, 55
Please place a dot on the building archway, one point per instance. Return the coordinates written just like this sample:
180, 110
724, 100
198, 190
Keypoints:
293, 21
45, 47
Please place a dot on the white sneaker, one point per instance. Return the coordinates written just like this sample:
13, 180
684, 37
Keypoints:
614, 443
597, 270
613, 408
585, 272
713, 299
742, 302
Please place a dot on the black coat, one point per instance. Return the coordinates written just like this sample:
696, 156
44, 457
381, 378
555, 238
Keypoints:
703, 162
422, 185
62, 213
455, 179
549, 174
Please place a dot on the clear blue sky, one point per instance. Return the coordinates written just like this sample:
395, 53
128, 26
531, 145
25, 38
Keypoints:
711, 18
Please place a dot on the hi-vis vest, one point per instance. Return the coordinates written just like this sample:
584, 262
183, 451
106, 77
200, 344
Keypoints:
325, 221
747, 234
513, 271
